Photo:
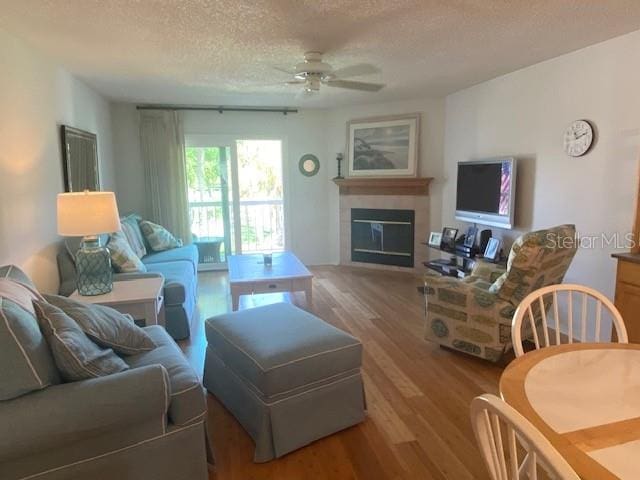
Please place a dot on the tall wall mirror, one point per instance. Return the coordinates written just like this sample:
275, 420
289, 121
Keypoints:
80, 160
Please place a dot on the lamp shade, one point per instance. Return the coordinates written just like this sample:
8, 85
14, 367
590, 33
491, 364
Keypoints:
82, 214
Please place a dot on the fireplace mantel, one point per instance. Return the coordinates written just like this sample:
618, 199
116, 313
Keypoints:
384, 186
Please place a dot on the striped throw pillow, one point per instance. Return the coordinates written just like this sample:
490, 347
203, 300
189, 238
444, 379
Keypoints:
158, 237
123, 257
132, 231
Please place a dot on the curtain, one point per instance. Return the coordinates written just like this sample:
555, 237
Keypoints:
162, 148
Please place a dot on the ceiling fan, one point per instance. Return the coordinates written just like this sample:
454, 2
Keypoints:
313, 72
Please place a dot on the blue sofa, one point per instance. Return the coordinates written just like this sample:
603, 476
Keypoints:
145, 423
178, 266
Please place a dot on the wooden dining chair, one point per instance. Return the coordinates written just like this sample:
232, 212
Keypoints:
499, 427
551, 316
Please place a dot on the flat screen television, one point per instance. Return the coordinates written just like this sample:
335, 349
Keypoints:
486, 192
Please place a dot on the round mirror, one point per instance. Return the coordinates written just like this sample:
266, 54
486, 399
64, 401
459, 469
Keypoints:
309, 165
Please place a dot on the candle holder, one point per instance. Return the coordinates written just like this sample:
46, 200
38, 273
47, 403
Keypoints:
339, 160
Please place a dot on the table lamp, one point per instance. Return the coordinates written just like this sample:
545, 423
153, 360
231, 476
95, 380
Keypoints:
89, 214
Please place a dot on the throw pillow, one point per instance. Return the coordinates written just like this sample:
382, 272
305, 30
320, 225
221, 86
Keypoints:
19, 293
77, 357
26, 363
132, 231
122, 256
105, 326
159, 238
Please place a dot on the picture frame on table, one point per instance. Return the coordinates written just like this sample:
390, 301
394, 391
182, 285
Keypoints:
449, 235
470, 237
435, 239
492, 252
383, 146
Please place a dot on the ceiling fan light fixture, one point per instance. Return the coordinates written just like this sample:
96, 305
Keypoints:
312, 85
313, 72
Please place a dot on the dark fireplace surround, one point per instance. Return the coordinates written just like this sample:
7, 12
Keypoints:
382, 236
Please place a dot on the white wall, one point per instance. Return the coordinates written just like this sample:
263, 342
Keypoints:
305, 197
525, 114
313, 209
36, 98
430, 162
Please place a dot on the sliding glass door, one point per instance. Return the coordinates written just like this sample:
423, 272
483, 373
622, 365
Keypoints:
235, 197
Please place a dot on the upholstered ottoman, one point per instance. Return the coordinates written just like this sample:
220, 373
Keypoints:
287, 376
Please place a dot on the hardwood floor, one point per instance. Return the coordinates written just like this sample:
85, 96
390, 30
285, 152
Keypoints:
418, 394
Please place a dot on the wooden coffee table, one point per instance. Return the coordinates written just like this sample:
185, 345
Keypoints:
249, 275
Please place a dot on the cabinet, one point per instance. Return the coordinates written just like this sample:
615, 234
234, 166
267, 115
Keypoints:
627, 297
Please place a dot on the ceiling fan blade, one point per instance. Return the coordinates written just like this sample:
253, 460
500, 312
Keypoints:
288, 71
356, 70
366, 87
295, 82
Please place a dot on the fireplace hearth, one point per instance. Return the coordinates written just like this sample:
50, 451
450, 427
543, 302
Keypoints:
382, 236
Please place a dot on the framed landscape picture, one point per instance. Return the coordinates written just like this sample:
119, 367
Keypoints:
383, 146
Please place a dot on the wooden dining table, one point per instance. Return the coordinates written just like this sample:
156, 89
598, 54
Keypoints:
585, 399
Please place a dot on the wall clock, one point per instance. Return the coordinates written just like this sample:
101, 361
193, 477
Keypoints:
309, 165
578, 138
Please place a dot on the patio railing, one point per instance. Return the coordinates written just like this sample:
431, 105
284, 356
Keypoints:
261, 221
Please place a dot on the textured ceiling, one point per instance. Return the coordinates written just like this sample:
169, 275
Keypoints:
223, 52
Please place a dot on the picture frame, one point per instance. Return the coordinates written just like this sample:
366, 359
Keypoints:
470, 238
80, 165
449, 238
492, 252
435, 239
383, 146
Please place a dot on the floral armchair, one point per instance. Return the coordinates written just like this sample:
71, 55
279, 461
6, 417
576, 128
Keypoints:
474, 315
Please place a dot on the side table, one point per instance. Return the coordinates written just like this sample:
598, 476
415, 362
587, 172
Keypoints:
141, 298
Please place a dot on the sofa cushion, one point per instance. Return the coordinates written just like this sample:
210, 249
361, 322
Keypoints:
76, 357
105, 326
187, 253
179, 281
21, 294
279, 347
25, 359
14, 273
123, 257
131, 230
158, 237
187, 397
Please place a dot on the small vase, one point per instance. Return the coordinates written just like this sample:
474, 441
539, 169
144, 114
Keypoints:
93, 264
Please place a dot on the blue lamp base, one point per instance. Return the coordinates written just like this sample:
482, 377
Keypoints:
93, 264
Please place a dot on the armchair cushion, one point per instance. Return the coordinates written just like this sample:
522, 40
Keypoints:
537, 259
487, 271
77, 357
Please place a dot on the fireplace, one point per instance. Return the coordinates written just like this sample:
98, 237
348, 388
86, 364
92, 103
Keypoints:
382, 236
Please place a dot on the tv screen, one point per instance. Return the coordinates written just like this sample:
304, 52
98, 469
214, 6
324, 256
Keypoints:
485, 192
